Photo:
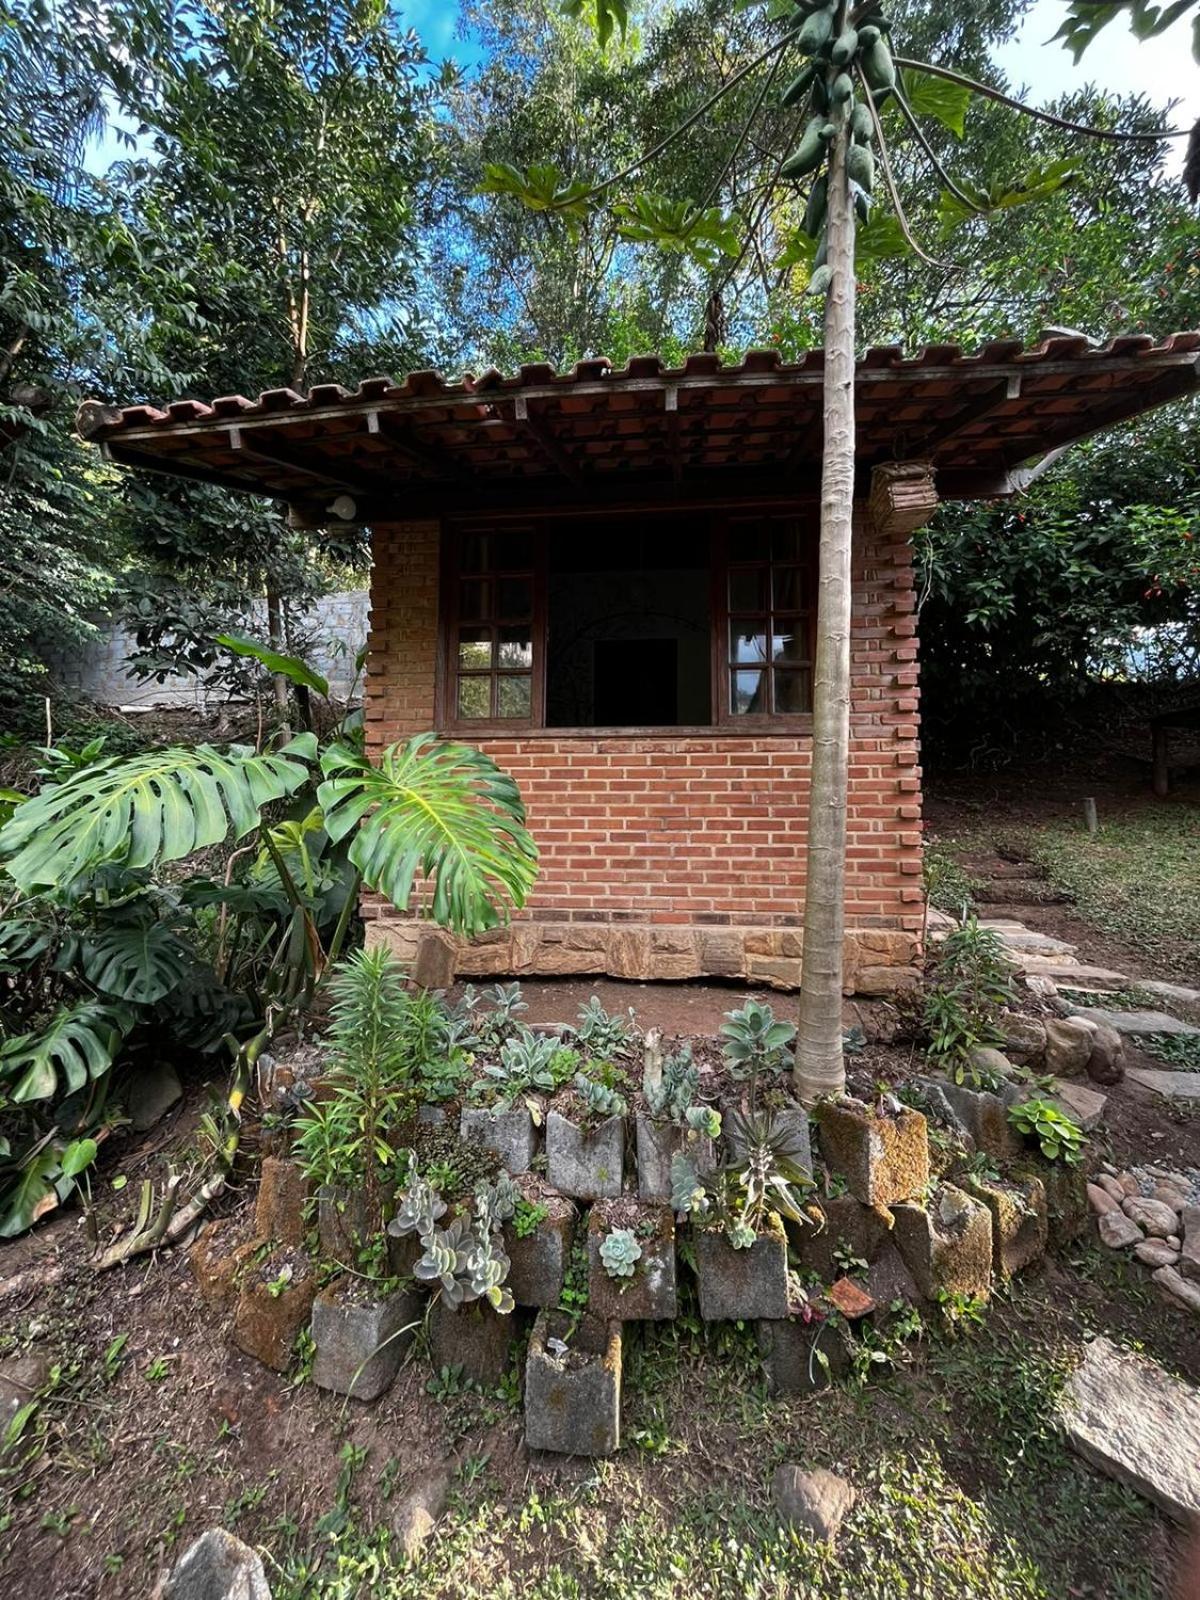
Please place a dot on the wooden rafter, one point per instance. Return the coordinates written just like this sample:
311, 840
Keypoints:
420, 453
545, 440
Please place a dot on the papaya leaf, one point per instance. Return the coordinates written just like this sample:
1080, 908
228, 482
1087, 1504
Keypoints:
880, 238
945, 102
541, 187
1085, 19
799, 251
133, 962
141, 811
1037, 184
78, 1044
289, 667
442, 814
678, 226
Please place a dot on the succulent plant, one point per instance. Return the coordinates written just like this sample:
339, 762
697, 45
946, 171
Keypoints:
671, 1090
620, 1252
601, 1033
704, 1121
467, 1263
495, 1202
754, 1042
420, 1207
600, 1100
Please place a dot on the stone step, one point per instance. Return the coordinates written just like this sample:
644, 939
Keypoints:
1020, 892
1134, 1022
1137, 1424
1183, 1087
1178, 995
1070, 973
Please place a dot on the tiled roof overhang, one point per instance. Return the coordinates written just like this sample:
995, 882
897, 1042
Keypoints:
598, 437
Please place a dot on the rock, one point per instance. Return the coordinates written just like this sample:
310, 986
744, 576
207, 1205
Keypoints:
274, 1304
1128, 1184
1183, 1086
851, 1231
474, 1337
1041, 985
1178, 1288
990, 1064
437, 954
1066, 1199
1156, 1253
649, 1294
949, 1246
573, 1388
884, 1157
279, 1207
1024, 1037
418, 1513
1118, 1232
1152, 1216
217, 1261
985, 1117
815, 1502
1100, 1200
510, 1135
1133, 1421
341, 1223
657, 1144
1020, 1224
1076, 1100
217, 1567
20, 1379
851, 1299
741, 1285
1127, 1022
1177, 995
150, 1092
801, 1357
1189, 1264
537, 1263
361, 1342
1171, 1194
1068, 1046
1106, 1064
1109, 1184
889, 1280
585, 1162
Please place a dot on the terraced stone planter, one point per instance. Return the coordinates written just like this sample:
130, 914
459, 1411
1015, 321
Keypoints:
1019, 1222
851, 1231
792, 1118
648, 1294
361, 1339
573, 1386
883, 1155
280, 1203
585, 1162
949, 1246
509, 1135
538, 1262
474, 1338
274, 1303
742, 1285
801, 1357
341, 1223
657, 1144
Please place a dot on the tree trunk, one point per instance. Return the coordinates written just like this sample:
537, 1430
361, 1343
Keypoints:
278, 643
820, 1068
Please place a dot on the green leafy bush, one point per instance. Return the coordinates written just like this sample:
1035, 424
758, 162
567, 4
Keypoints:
1058, 1136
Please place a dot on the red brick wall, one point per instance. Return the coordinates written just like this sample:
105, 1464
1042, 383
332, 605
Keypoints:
700, 832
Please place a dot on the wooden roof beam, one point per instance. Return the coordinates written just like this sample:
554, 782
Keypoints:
300, 460
976, 410
143, 461
543, 437
419, 453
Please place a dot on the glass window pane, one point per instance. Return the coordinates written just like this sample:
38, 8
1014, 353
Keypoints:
475, 647
474, 600
474, 697
513, 552
787, 589
785, 541
747, 589
514, 597
746, 693
514, 696
793, 691
789, 643
475, 552
516, 645
750, 541
748, 639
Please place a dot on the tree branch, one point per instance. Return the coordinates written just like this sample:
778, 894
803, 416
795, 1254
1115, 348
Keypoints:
886, 167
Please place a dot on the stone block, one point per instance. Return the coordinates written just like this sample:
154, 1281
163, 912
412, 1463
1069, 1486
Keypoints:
776, 972
649, 1294
217, 1567
274, 1303
885, 980
361, 1341
404, 1251
217, 1260
889, 1280
793, 1119
984, 1117
852, 1232
279, 1206
1066, 1199
883, 1157
538, 1262
573, 1386
742, 1285
509, 1135
801, 1357
1019, 1222
474, 1337
815, 1503
949, 1246
341, 1223
436, 958
1024, 1037
657, 1144
584, 1162
1189, 1263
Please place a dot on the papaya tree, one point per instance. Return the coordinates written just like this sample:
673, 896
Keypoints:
853, 92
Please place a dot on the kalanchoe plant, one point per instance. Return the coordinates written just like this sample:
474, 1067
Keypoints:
501, 1020
620, 1253
740, 1196
601, 1033
420, 1205
670, 1085
753, 1041
600, 1100
466, 1259
530, 1064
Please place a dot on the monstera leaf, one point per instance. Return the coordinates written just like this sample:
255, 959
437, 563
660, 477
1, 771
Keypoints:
79, 1043
151, 808
141, 963
438, 812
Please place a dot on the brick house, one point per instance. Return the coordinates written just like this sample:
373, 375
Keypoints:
607, 580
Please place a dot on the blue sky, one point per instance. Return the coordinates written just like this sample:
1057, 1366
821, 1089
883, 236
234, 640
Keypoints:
437, 23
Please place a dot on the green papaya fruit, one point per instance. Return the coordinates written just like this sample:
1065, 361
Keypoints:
820, 281
867, 36
860, 164
799, 86
878, 67
862, 129
807, 153
820, 93
844, 47
862, 204
843, 88
814, 211
827, 132
816, 32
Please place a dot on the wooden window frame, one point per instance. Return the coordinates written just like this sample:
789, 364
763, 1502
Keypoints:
724, 715
723, 721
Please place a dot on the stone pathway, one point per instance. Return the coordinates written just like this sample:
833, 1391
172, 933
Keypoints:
1181, 1086
1134, 1022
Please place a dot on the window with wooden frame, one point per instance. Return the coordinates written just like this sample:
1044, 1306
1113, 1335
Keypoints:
652, 623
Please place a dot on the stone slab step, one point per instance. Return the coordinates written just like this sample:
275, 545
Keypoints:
1071, 972
1137, 1424
1080, 1101
1181, 1086
1131, 1022
1019, 892
1176, 994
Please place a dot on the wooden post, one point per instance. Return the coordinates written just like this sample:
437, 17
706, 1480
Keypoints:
1159, 752
1091, 821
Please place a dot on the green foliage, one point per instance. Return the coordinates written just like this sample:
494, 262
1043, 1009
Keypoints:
705, 235
972, 980
530, 1064
947, 885
1178, 1050
763, 1178
1085, 18
1058, 1136
754, 1042
670, 1085
602, 1034
600, 1100
620, 1253
528, 1218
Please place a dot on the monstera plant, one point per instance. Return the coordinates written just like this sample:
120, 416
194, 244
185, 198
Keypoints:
109, 945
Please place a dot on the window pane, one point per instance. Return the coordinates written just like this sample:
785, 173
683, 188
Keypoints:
516, 645
785, 541
474, 600
514, 597
789, 643
748, 590
793, 691
748, 639
514, 697
475, 552
746, 693
513, 552
787, 589
750, 541
475, 697
475, 647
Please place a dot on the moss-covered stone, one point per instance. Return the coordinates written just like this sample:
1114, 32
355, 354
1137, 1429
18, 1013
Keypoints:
649, 1294
573, 1386
801, 1357
883, 1155
949, 1246
538, 1261
1019, 1221
843, 1230
274, 1303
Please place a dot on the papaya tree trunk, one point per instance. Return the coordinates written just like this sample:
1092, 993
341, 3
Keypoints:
820, 1068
